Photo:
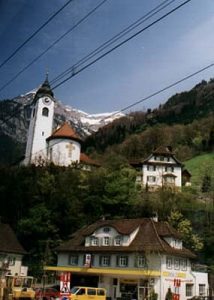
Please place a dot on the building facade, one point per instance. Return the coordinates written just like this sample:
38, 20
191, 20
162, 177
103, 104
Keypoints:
11, 252
132, 259
161, 169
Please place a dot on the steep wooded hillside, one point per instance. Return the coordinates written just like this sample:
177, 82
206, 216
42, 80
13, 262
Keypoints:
193, 107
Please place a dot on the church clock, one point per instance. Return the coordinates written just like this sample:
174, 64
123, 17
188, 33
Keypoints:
46, 101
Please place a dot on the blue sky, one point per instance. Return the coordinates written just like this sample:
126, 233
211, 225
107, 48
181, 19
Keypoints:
180, 44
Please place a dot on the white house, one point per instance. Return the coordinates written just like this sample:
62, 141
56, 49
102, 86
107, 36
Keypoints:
132, 259
11, 252
160, 169
61, 146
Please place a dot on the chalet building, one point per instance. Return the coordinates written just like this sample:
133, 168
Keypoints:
132, 259
61, 146
160, 169
11, 252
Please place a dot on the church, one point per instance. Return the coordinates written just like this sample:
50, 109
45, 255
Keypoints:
44, 145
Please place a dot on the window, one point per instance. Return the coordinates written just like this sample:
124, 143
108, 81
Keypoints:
100, 292
118, 240
106, 241
161, 158
73, 260
183, 264
81, 292
176, 264
106, 229
151, 179
151, 168
45, 111
141, 261
12, 261
202, 291
122, 261
169, 169
94, 241
169, 263
189, 289
105, 260
91, 292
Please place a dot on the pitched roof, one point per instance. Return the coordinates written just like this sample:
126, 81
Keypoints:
85, 159
165, 150
8, 240
65, 132
44, 89
150, 237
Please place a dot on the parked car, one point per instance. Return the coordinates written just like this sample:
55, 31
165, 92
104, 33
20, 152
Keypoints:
48, 293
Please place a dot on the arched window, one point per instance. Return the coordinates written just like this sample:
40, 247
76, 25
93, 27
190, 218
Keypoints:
45, 111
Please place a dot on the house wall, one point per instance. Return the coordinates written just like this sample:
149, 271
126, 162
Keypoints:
14, 262
59, 151
160, 171
169, 275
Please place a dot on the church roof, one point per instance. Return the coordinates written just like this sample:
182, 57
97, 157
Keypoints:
64, 132
44, 89
8, 240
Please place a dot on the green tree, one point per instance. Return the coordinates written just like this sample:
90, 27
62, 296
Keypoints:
184, 227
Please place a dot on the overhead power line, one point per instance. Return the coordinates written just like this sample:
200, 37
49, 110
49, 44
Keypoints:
115, 38
120, 44
35, 33
51, 46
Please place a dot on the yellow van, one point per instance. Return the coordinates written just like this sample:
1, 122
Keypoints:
87, 293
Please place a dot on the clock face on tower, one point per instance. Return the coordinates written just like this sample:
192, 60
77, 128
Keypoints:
46, 101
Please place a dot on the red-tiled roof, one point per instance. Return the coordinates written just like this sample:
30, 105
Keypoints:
85, 159
65, 131
150, 237
8, 240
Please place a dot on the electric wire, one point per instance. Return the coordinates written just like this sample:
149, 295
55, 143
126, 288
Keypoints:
34, 33
51, 46
116, 37
111, 49
120, 44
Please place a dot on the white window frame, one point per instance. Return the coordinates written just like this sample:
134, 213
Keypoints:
118, 240
202, 289
189, 289
106, 241
105, 260
94, 241
141, 261
123, 261
176, 263
169, 262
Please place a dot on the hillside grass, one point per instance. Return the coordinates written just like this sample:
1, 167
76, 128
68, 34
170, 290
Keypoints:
200, 166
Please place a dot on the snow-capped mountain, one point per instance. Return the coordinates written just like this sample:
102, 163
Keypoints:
17, 111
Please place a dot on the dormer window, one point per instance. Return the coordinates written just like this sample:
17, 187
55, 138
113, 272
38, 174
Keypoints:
106, 229
118, 240
106, 241
94, 241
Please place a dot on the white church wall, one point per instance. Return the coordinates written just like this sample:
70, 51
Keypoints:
64, 151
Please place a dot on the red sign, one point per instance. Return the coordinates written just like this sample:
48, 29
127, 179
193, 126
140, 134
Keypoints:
65, 281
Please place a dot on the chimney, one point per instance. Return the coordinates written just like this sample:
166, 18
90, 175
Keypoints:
155, 217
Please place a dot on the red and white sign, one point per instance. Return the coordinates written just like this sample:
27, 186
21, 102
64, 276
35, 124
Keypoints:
65, 282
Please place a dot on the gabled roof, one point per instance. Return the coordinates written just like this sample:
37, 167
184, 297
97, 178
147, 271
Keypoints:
163, 150
8, 241
85, 159
64, 132
150, 237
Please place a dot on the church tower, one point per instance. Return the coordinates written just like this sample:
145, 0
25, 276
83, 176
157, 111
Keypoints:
41, 125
